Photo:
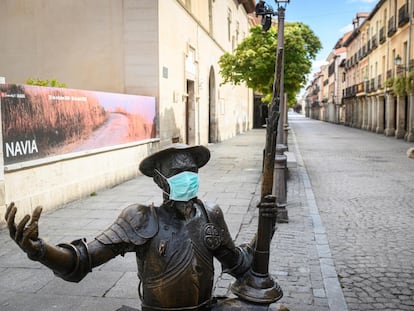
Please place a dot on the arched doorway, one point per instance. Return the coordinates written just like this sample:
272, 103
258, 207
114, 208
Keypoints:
213, 116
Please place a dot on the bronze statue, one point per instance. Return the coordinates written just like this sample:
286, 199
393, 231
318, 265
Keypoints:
174, 243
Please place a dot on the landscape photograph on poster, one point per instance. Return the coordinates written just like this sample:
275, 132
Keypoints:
40, 122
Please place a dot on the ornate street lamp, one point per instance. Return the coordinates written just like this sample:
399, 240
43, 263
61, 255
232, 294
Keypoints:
398, 60
258, 286
266, 12
401, 70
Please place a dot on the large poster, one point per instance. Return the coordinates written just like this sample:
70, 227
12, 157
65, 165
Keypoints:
39, 122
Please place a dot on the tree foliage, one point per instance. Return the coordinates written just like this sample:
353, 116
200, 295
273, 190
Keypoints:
39, 82
253, 61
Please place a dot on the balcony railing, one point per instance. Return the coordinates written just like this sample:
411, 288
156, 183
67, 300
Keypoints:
360, 87
400, 71
350, 91
391, 26
374, 42
331, 69
382, 35
411, 65
372, 85
403, 16
366, 88
379, 82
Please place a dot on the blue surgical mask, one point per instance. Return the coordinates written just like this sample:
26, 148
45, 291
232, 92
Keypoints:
183, 186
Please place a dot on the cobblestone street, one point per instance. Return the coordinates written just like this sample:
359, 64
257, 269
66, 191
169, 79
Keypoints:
364, 188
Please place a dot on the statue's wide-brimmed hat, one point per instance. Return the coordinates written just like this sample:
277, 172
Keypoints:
200, 154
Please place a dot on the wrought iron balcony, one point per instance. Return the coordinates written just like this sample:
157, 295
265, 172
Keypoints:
372, 85
379, 82
403, 15
360, 87
374, 42
382, 35
392, 29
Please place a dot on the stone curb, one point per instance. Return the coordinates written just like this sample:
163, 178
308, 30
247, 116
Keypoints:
334, 293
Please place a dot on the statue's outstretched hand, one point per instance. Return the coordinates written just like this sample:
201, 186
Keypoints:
26, 234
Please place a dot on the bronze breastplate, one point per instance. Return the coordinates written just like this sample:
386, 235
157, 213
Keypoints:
176, 269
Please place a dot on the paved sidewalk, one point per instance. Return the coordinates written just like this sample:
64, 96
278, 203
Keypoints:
300, 255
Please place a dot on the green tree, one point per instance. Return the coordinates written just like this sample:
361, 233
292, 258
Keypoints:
253, 61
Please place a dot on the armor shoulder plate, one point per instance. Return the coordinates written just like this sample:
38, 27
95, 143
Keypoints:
135, 225
214, 213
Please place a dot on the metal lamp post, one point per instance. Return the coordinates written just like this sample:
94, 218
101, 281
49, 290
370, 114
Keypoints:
280, 187
258, 286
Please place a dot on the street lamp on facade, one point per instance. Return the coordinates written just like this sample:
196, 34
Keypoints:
398, 60
398, 64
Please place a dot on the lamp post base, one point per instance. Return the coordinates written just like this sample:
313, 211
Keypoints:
257, 288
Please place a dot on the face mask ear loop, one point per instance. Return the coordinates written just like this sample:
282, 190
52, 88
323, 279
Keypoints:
165, 179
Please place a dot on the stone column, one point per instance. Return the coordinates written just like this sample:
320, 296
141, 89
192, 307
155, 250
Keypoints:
351, 112
355, 108
380, 114
390, 117
369, 114
357, 115
410, 133
364, 108
363, 115
347, 113
364, 105
400, 122
374, 100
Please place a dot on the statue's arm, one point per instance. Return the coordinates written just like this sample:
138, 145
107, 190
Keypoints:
70, 261
235, 260
133, 227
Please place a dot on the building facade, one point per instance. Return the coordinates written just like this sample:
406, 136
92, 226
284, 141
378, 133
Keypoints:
378, 71
166, 49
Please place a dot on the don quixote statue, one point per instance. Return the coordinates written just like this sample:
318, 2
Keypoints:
175, 243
